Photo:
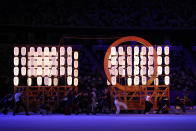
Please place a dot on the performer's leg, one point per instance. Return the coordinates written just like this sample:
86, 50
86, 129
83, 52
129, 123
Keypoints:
123, 105
17, 105
25, 108
117, 107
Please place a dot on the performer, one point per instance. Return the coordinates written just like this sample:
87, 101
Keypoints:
118, 104
148, 104
19, 102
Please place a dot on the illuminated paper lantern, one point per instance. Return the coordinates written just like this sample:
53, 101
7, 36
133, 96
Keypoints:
54, 71
143, 70
47, 72
166, 50
75, 64
150, 50
167, 70
129, 60
159, 70
32, 51
136, 60
23, 51
129, 81
114, 71
144, 80
159, 50
62, 51
16, 61
46, 81
46, 61
136, 50
120, 50
159, 60
121, 60
129, 50
39, 51
53, 50
55, 62
143, 50
150, 60
75, 72
69, 80
69, 61
32, 61
16, 81
166, 60
76, 55
121, 70
156, 81
167, 80
143, 60
113, 51
16, 71
62, 61
75, 81
39, 71
109, 64
16, 51
150, 70
129, 70
39, 81
30, 71
69, 51
136, 70
108, 83
55, 81
114, 60
49, 81
136, 80
29, 81
113, 79
23, 61
62, 71
46, 51
23, 71
39, 61
69, 70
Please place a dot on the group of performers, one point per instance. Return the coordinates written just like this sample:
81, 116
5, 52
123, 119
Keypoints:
84, 102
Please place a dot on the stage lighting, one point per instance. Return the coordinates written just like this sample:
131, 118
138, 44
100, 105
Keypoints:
29, 81
39, 81
166, 50
16, 81
76, 55
159, 69
144, 80
167, 70
23, 51
55, 81
136, 50
69, 51
136, 80
75, 81
62, 51
150, 50
166, 60
23, 71
16, 71
16, 51
16, 61
143, 50
129, 50
136, 70
129, 81
69, 80
159, 50
167, 80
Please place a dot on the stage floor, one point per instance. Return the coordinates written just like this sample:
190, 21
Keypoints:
100, 122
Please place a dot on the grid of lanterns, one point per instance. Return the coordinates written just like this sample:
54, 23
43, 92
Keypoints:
136, 64
46, 65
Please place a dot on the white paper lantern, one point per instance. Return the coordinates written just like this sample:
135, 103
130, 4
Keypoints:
75, 72
39, 61
129, 81
69, 51
46, 51
47, 71
32, 51
16, 71
23, 51
54, 71
32, 61
114, 71
159, 60
69, 70
39, 71
136, 80
156, 81
166, 60
76, 55
46, 61
30, 71
136, 60
16, 51
144, 80
143, 60
136, 70
167, 71
62, 60
136, 50
108, 83
23, 71
46, 81
69, 61
143, 50
121, 60
150, 60
39, 51
62, 71
49, 81
69, 80
75, 81
55, 62
150, 70
166, 50
159, 50
62, 51
114, 60
75, 64
120, 50
167, 80
53, 50
121, 70
159, 70
23, 61
113, 79
16, 81
129, 70
39, 81
129, 60
29, 81
113, 51
150, 50
143, 70
109, 63
55, 81
16, 61
129, 50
